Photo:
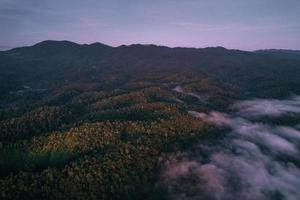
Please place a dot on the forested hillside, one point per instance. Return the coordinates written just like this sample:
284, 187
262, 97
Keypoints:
96, 122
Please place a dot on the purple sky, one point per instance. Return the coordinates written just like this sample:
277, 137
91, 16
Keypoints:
239, 24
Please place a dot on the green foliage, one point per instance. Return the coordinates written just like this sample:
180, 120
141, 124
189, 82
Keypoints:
97, 121
82, 143
13, 160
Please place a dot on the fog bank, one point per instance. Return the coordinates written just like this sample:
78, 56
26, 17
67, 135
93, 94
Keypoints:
254, 161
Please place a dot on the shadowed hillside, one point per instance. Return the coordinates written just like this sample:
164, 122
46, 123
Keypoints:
54, 63
98, 122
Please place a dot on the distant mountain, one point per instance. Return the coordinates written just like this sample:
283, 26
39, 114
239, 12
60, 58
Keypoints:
281, 53
287, 51
50, 64
98, 122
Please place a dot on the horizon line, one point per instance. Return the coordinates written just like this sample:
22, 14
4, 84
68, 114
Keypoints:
8, 48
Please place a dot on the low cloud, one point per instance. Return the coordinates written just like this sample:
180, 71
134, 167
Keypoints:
256, 160
273, 107
202, 99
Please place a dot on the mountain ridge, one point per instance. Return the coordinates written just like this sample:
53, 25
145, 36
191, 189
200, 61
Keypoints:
99, 122
51, 63
155, 45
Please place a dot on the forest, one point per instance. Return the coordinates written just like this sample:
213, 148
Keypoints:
97, 122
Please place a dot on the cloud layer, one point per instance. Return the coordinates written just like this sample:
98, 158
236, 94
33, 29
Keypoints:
247, 25
273, 107
255, 160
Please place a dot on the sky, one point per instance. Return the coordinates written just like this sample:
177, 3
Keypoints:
234, 24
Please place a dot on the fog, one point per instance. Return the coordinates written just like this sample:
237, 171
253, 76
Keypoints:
254, 161
273, 107
202, 99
